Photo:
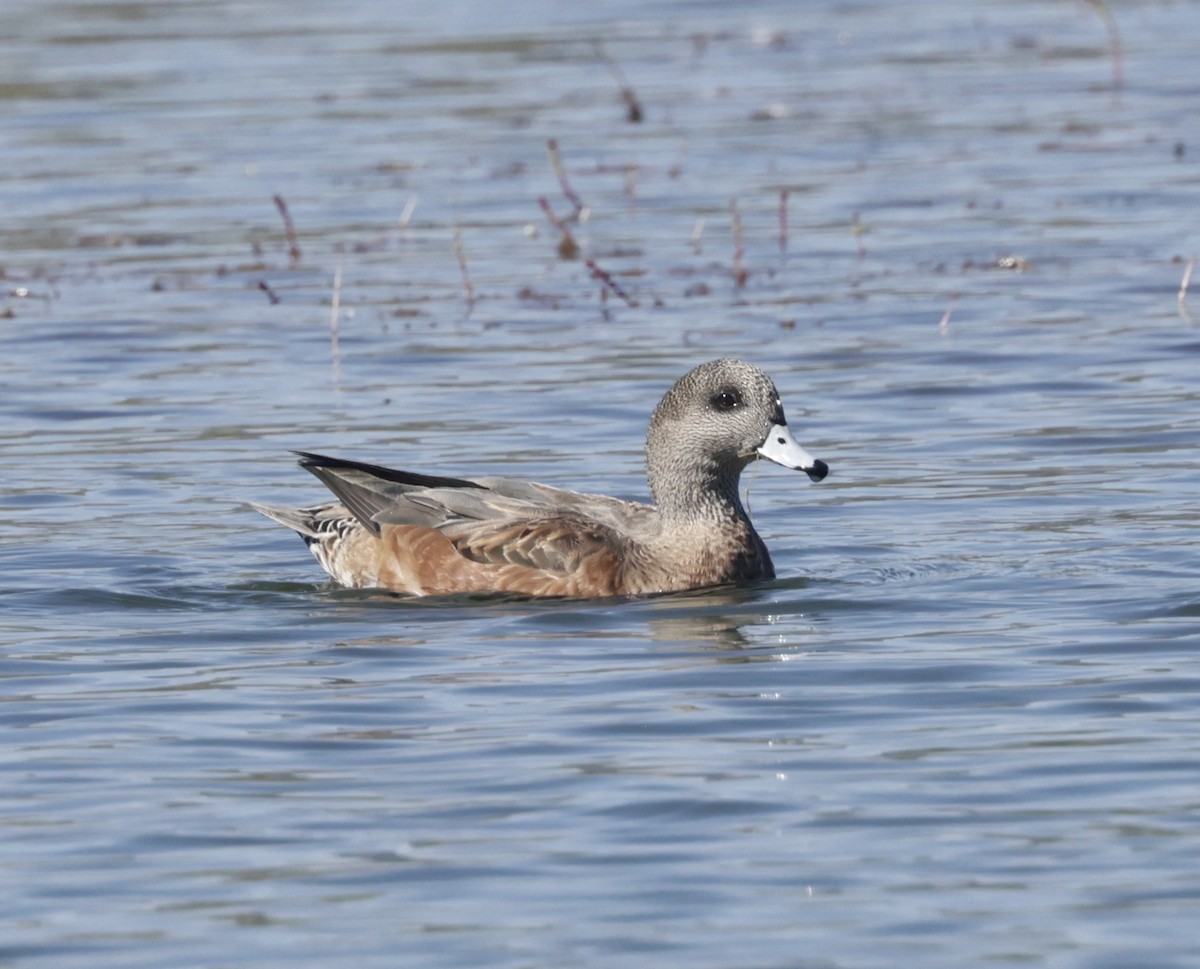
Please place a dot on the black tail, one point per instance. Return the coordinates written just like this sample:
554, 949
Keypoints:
311, 462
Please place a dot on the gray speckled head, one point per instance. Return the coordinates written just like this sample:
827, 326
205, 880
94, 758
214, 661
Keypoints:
715, 420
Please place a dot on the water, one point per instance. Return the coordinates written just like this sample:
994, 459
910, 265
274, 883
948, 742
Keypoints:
960, 729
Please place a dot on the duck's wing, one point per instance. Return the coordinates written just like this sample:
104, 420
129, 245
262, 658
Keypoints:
493, 521
619, 513
519, 523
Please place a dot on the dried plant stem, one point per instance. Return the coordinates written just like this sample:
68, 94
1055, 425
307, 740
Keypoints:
335, 309
740, 275
1114, 38
783, 221
468, 288
1187, 278
633, 107
944, 322
289, 228
860, 233
1183, 288
409, 208
271, 294
561, 174
568, 248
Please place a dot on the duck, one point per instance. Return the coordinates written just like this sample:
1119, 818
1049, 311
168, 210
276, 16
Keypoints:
430, 535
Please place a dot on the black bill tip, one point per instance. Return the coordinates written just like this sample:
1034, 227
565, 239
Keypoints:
818, 471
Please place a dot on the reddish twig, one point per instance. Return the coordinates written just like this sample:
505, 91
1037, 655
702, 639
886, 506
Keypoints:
271, 294
289, 228
606, 279
568, 248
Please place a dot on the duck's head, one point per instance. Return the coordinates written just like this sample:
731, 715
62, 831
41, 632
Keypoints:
715, 420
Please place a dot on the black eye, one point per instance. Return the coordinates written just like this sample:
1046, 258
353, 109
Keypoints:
727, 399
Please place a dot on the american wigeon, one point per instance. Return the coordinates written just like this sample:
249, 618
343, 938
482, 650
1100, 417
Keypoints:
426, 535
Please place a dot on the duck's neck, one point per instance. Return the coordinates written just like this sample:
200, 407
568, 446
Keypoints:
710, 496
705, 536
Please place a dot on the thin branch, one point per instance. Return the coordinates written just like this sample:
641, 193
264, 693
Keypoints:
289, 228
271, 294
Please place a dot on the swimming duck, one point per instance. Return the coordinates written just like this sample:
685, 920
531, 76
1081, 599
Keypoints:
430, 535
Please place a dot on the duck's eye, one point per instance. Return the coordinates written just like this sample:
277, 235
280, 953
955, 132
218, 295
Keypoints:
727, 399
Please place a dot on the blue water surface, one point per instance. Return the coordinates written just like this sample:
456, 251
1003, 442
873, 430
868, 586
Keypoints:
962, 726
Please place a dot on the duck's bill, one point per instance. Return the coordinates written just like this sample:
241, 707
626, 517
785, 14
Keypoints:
784, 449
